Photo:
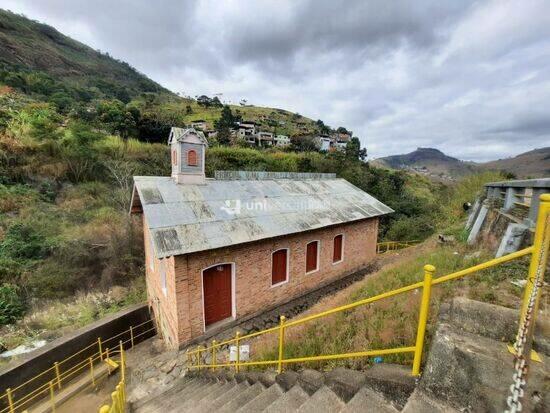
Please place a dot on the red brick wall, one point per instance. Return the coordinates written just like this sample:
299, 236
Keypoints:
163, 304
253, 291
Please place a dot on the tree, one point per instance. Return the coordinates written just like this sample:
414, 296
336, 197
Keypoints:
354, 151
324, 129
117, 117
188, 110
215, 102
303, 144
204, 100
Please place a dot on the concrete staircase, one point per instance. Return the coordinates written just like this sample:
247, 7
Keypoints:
468, 369
384, 390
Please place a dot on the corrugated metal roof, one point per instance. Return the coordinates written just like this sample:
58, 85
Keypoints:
191, 218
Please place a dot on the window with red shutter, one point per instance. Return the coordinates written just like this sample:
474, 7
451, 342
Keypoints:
279, 267
312, 250
192, 158
174, 158
337, 254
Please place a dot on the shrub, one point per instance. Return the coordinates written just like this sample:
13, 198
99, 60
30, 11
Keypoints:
12, 306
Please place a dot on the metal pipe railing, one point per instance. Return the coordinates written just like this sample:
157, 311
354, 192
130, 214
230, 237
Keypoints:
61, 377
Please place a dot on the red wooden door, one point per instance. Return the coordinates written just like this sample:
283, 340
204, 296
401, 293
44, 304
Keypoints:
217, 293
311, 256
278, 271
337, 254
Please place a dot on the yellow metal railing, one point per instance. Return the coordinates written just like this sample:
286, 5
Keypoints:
118, 397
383, 247
195, 357
51, 381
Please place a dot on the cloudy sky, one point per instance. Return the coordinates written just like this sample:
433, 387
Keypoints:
471, 78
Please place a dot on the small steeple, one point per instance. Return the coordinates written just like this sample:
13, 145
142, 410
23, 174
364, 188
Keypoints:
188, 147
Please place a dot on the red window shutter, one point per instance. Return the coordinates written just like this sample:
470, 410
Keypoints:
192, 158
278, 269
174, 157
311, 256
337, 254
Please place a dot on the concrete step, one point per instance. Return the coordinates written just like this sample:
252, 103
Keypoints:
242, 398
213, 405
368, 401
264, 399
289, 402
179, 385
187, 401
420, 402
167, 403
323, 400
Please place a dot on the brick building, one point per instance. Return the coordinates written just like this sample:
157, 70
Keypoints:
244, 242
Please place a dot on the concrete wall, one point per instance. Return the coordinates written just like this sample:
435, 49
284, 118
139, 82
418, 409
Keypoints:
31, 364
182, 306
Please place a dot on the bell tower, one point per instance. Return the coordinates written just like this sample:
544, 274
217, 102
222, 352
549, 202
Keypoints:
187, 148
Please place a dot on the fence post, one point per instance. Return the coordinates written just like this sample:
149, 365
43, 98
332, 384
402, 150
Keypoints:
100, 349
132, 336
122, 362
238, 357
213, 355
540, 253
57, 376
423, 317
281, 344
52, 397
10, 400
106, 357
92, 370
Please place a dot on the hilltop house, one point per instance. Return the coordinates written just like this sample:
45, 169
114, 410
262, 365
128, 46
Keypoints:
199, 124
218, 250
282, 140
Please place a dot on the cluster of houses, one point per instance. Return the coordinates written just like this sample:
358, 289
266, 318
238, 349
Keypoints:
249, 132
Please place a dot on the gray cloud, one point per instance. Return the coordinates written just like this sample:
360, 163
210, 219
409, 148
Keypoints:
470, 78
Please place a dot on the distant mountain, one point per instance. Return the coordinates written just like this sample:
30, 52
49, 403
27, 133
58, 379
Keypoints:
532, 164
434, 163
428, 161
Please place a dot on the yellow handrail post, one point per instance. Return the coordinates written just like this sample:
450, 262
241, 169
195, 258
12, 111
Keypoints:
132, 336
106, 357
540, 252
10, 400
100, 349
92, 370
52, 397
122, 361
238, 357
213, 355
429, 271
57, 375
281, 344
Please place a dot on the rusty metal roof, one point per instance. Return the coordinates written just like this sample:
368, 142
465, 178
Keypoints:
190, 218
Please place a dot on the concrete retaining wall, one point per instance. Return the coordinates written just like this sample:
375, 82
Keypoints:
31, 364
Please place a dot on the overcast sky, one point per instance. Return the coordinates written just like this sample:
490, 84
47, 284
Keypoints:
471, 78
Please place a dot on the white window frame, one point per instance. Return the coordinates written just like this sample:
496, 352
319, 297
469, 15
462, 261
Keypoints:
233, 295
318, 262
343, 242
287, 267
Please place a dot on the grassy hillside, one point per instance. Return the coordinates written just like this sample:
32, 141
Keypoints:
532, 164
31, 46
